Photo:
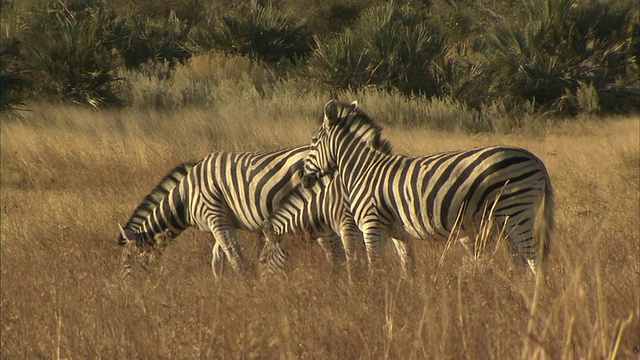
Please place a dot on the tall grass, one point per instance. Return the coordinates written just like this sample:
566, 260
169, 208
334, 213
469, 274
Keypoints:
69, 175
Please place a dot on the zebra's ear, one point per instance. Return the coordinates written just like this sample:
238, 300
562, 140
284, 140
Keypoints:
330, 113
297, 175
354, 105
126, 235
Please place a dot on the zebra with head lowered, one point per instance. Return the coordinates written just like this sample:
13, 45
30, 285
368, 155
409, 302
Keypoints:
223, 192
425, 196
323, 212
319, 211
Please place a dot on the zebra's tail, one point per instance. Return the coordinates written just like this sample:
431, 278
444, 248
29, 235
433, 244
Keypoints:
545, 221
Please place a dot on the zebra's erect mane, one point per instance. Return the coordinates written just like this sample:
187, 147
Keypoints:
352, 119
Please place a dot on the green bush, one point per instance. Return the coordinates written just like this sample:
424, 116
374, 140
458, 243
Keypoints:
565, 47
141, 40
13, 83
390, 47
522, 57
192, 12
68, 53
264, 33
75, 50
342, 63
329, 17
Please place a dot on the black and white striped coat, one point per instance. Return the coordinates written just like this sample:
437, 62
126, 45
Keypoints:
424, 196
321, 212
223, 192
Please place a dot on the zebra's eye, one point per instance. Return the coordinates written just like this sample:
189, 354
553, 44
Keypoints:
314, 139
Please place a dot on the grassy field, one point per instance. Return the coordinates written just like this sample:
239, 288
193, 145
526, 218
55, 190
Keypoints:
69, 175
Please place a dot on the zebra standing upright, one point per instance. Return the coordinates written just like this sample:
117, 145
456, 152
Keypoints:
425, 196
222, 193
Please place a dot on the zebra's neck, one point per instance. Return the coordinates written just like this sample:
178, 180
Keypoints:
291, 214
354, 158
309, 209
170, 217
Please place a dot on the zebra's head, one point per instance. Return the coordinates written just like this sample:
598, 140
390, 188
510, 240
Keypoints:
133, 237
130, 239
342, 122
127, 236
321, 161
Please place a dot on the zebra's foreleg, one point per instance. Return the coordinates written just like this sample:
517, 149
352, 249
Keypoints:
272, 257
332, 246
469, 245
269, 233
217, 259
352, 242
374, 243
407, 258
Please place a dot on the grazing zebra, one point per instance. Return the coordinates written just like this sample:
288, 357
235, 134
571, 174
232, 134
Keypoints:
272, 259
321, 212
221, 193
424, 196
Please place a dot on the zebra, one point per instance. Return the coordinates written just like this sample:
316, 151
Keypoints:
223, 192
273, 259
425, 196
322, 211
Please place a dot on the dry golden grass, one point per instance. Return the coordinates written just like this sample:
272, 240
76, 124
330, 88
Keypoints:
68, 176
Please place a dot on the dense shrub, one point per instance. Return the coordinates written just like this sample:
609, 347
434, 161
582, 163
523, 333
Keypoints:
191, 12
141, 40
68, 53
75, 50
342, 62
522, 57
13, 83
327, 18
390, 47
566, 48
264, 33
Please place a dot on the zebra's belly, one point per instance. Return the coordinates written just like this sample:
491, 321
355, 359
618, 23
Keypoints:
416, 231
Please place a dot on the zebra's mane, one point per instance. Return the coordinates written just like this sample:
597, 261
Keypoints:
153, 199
354, 120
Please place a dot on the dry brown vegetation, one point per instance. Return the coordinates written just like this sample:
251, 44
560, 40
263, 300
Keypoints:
70, 175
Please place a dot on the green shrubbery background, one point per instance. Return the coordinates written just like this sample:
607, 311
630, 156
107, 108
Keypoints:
488, 57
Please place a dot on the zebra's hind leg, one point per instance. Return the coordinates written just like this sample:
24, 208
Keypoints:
217, 260
522, 243
225, 235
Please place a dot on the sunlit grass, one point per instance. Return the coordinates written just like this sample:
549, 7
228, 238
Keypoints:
69, 175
